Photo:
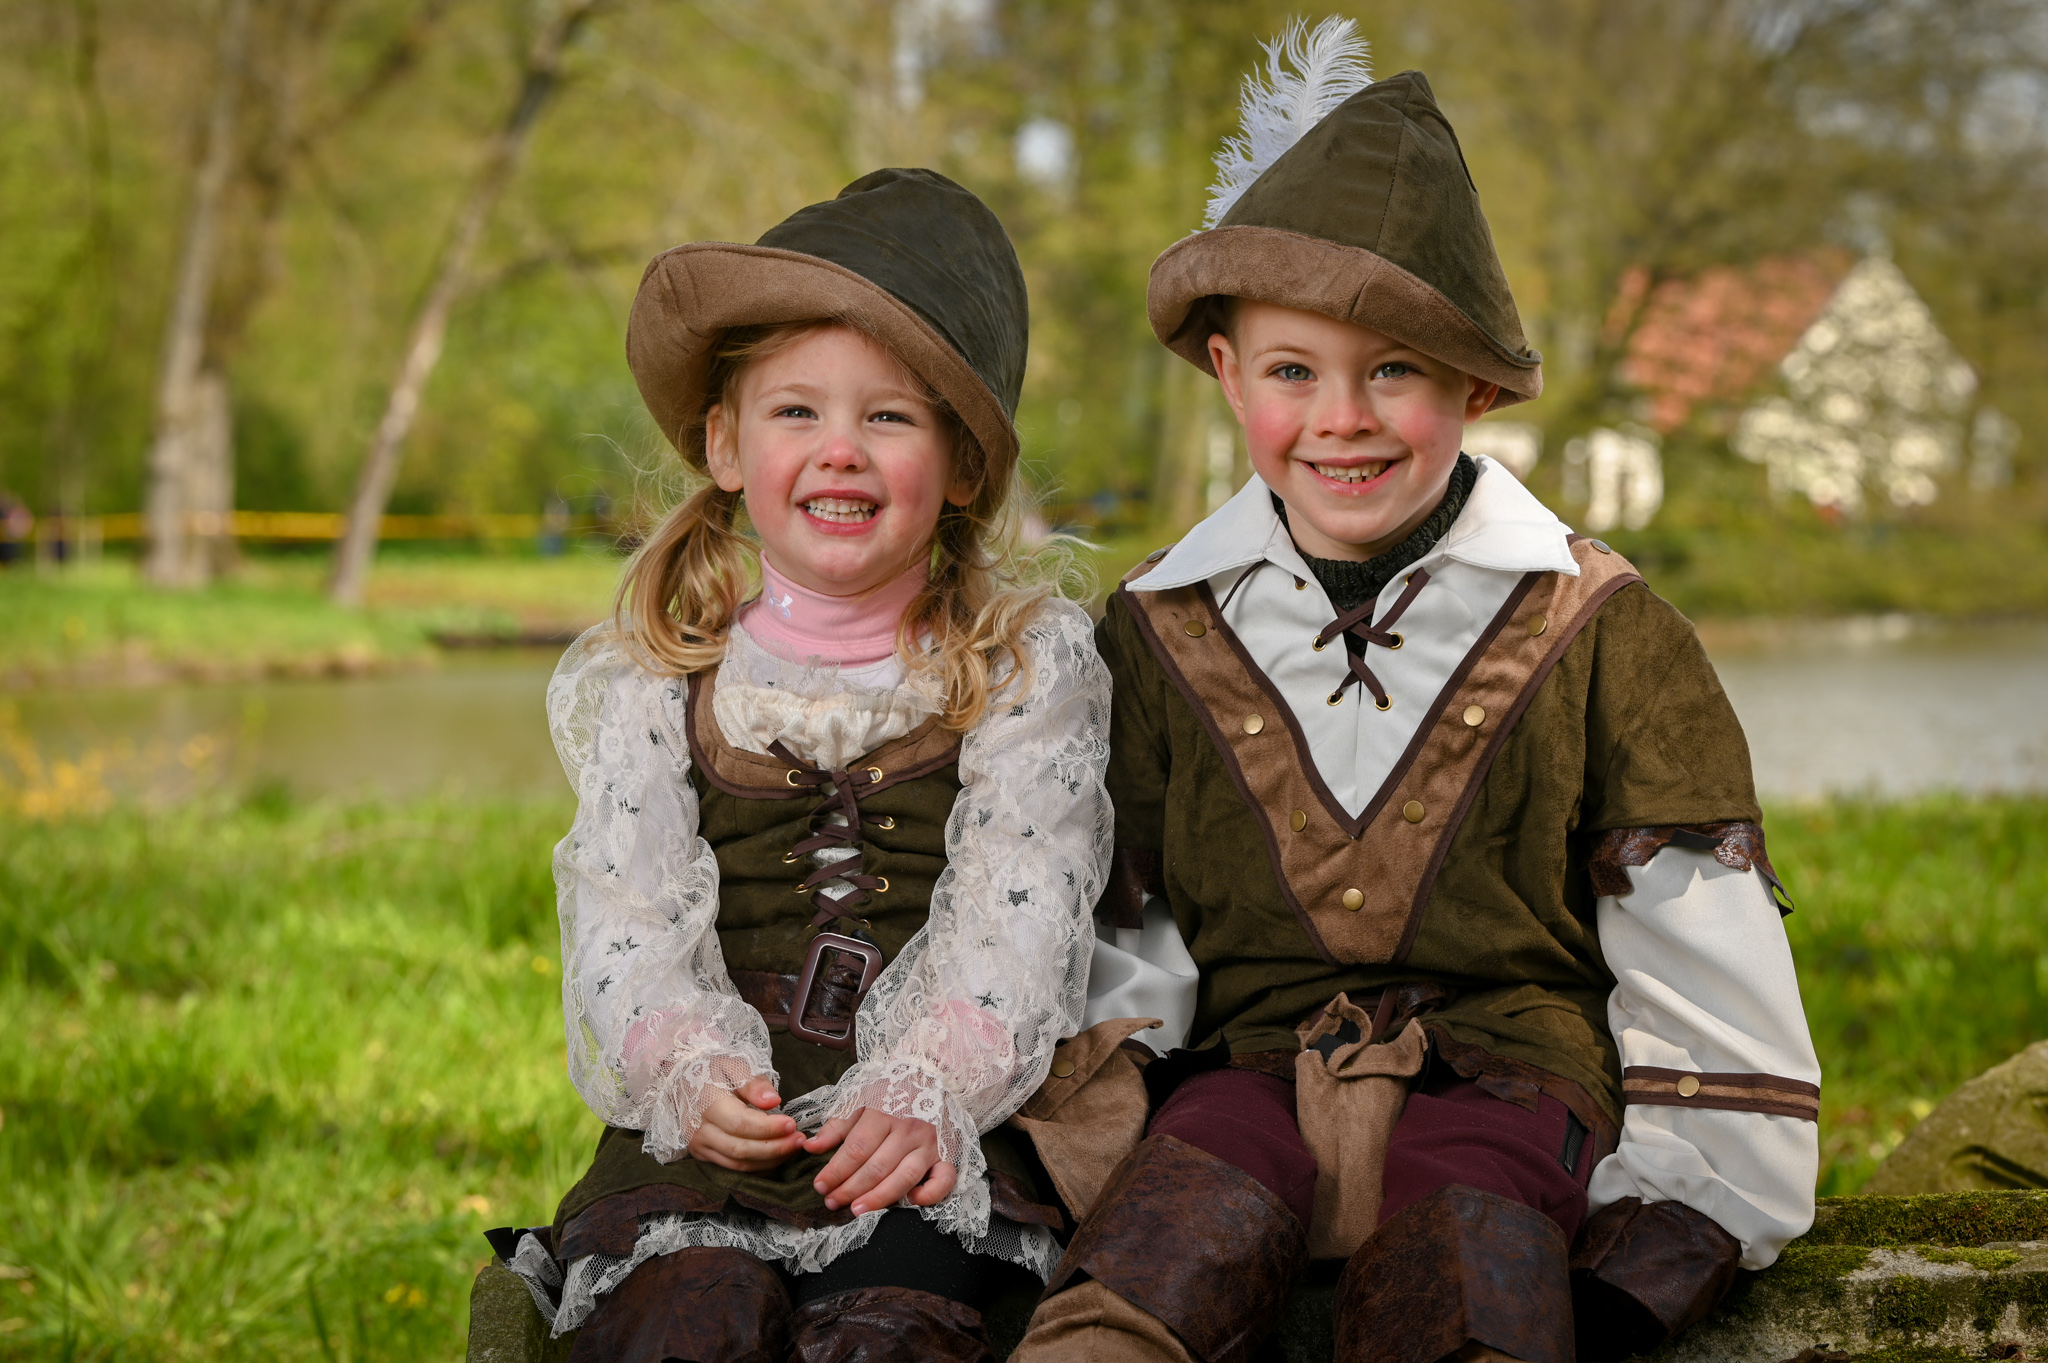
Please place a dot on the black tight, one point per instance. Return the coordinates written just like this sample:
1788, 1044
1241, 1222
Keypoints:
908, 1251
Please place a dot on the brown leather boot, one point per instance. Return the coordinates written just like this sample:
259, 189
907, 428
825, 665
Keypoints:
1643, 1272
884, 1324
1462, 1274
697, 1305
1189, 1240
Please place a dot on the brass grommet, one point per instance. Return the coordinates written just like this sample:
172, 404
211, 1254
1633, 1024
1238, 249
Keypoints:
790, 858
886, 822
881, 884
1688, 1085
1319, 643
1413, 811
1194, 629
1062, 1068
874, 773
1336, 698
1537, 624
1298, 820
1398, 641
1386, 703
789, 777
1254, 723
1475, 715
1354, 899
803, 889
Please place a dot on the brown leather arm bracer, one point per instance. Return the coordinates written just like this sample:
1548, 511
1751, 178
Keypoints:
1643, 1272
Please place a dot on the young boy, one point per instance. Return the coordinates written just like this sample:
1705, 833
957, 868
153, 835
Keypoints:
1397, 747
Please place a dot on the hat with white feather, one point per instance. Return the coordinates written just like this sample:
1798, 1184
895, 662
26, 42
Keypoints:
1349, 197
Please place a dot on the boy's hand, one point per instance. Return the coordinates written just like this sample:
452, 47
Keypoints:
739, 1132
881, 1159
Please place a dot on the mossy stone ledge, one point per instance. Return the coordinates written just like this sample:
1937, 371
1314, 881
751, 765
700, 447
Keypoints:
1929, 1279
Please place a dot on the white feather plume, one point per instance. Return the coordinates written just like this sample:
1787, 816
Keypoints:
1307, 74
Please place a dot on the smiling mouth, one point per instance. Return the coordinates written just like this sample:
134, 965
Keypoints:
1351, 473
841, 510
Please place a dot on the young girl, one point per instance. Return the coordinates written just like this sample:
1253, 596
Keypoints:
825, 906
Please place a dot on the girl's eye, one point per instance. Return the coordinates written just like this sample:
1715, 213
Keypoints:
798, 413
1393, 369
891, 416
1292, 373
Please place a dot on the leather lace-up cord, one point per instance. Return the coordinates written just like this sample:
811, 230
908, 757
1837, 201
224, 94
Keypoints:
1358, 626
843, 789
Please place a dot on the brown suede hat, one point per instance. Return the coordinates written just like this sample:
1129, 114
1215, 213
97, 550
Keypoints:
1371, 218
906, 255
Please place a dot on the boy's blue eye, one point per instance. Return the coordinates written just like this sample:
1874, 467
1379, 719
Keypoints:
1393, 369
1293, 373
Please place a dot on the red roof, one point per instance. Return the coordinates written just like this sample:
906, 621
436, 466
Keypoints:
1714, 337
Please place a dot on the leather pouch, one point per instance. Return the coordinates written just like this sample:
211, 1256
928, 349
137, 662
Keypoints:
1086, 1121
1349, 1092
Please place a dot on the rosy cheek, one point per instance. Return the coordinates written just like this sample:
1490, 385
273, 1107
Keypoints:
1271, 430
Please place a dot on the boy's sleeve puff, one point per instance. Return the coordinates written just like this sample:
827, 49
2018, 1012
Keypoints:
1704, 981
960, 1029
655, 1028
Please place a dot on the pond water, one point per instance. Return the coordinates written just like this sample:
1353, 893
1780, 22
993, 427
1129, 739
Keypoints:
1876, 706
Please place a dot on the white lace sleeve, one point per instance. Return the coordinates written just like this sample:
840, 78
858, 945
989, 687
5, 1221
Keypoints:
959, 1030
1704, 983
655, 1027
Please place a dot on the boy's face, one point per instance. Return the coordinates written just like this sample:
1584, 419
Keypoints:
1356, 431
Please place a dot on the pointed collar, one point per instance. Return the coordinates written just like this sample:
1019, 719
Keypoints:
1503, 526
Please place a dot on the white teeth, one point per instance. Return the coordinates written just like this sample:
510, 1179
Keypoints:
840, 510
1355, 474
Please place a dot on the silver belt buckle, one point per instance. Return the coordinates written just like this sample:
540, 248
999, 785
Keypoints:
871, 966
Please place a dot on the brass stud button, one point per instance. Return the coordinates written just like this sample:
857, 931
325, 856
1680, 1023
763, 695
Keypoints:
1354, 900
1475, 715
1062, 1068
1688, 1085
1254, 723
1413, 811
1194, 629
1298, 820
1601, 545
1537, 624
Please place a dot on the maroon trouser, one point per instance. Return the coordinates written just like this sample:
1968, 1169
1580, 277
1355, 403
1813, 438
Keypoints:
1451, 1132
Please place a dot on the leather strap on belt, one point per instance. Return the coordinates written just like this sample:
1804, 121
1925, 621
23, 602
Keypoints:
819, 1005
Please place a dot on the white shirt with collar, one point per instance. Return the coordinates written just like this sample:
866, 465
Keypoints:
1277, 607
1704, 976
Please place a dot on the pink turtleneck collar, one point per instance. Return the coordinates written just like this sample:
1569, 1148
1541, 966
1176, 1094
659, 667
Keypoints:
800, 624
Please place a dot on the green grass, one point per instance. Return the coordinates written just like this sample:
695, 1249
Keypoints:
102, 624
272, 1068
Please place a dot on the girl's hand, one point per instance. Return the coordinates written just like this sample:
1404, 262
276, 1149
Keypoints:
739, 1132
881, 1159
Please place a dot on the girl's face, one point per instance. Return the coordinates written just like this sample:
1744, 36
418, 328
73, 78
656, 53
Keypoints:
844, 464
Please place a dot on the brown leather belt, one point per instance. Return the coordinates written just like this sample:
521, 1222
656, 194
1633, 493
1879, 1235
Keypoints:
838, 972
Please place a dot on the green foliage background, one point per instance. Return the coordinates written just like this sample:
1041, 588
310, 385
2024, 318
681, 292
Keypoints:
1604, 134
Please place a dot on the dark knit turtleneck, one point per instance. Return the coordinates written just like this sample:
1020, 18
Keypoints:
1350, 582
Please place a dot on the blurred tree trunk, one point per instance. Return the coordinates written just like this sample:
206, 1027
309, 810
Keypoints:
185, 480
538, 82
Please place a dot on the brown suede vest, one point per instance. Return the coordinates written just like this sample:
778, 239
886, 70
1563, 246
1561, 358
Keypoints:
752, 816
1470, 865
